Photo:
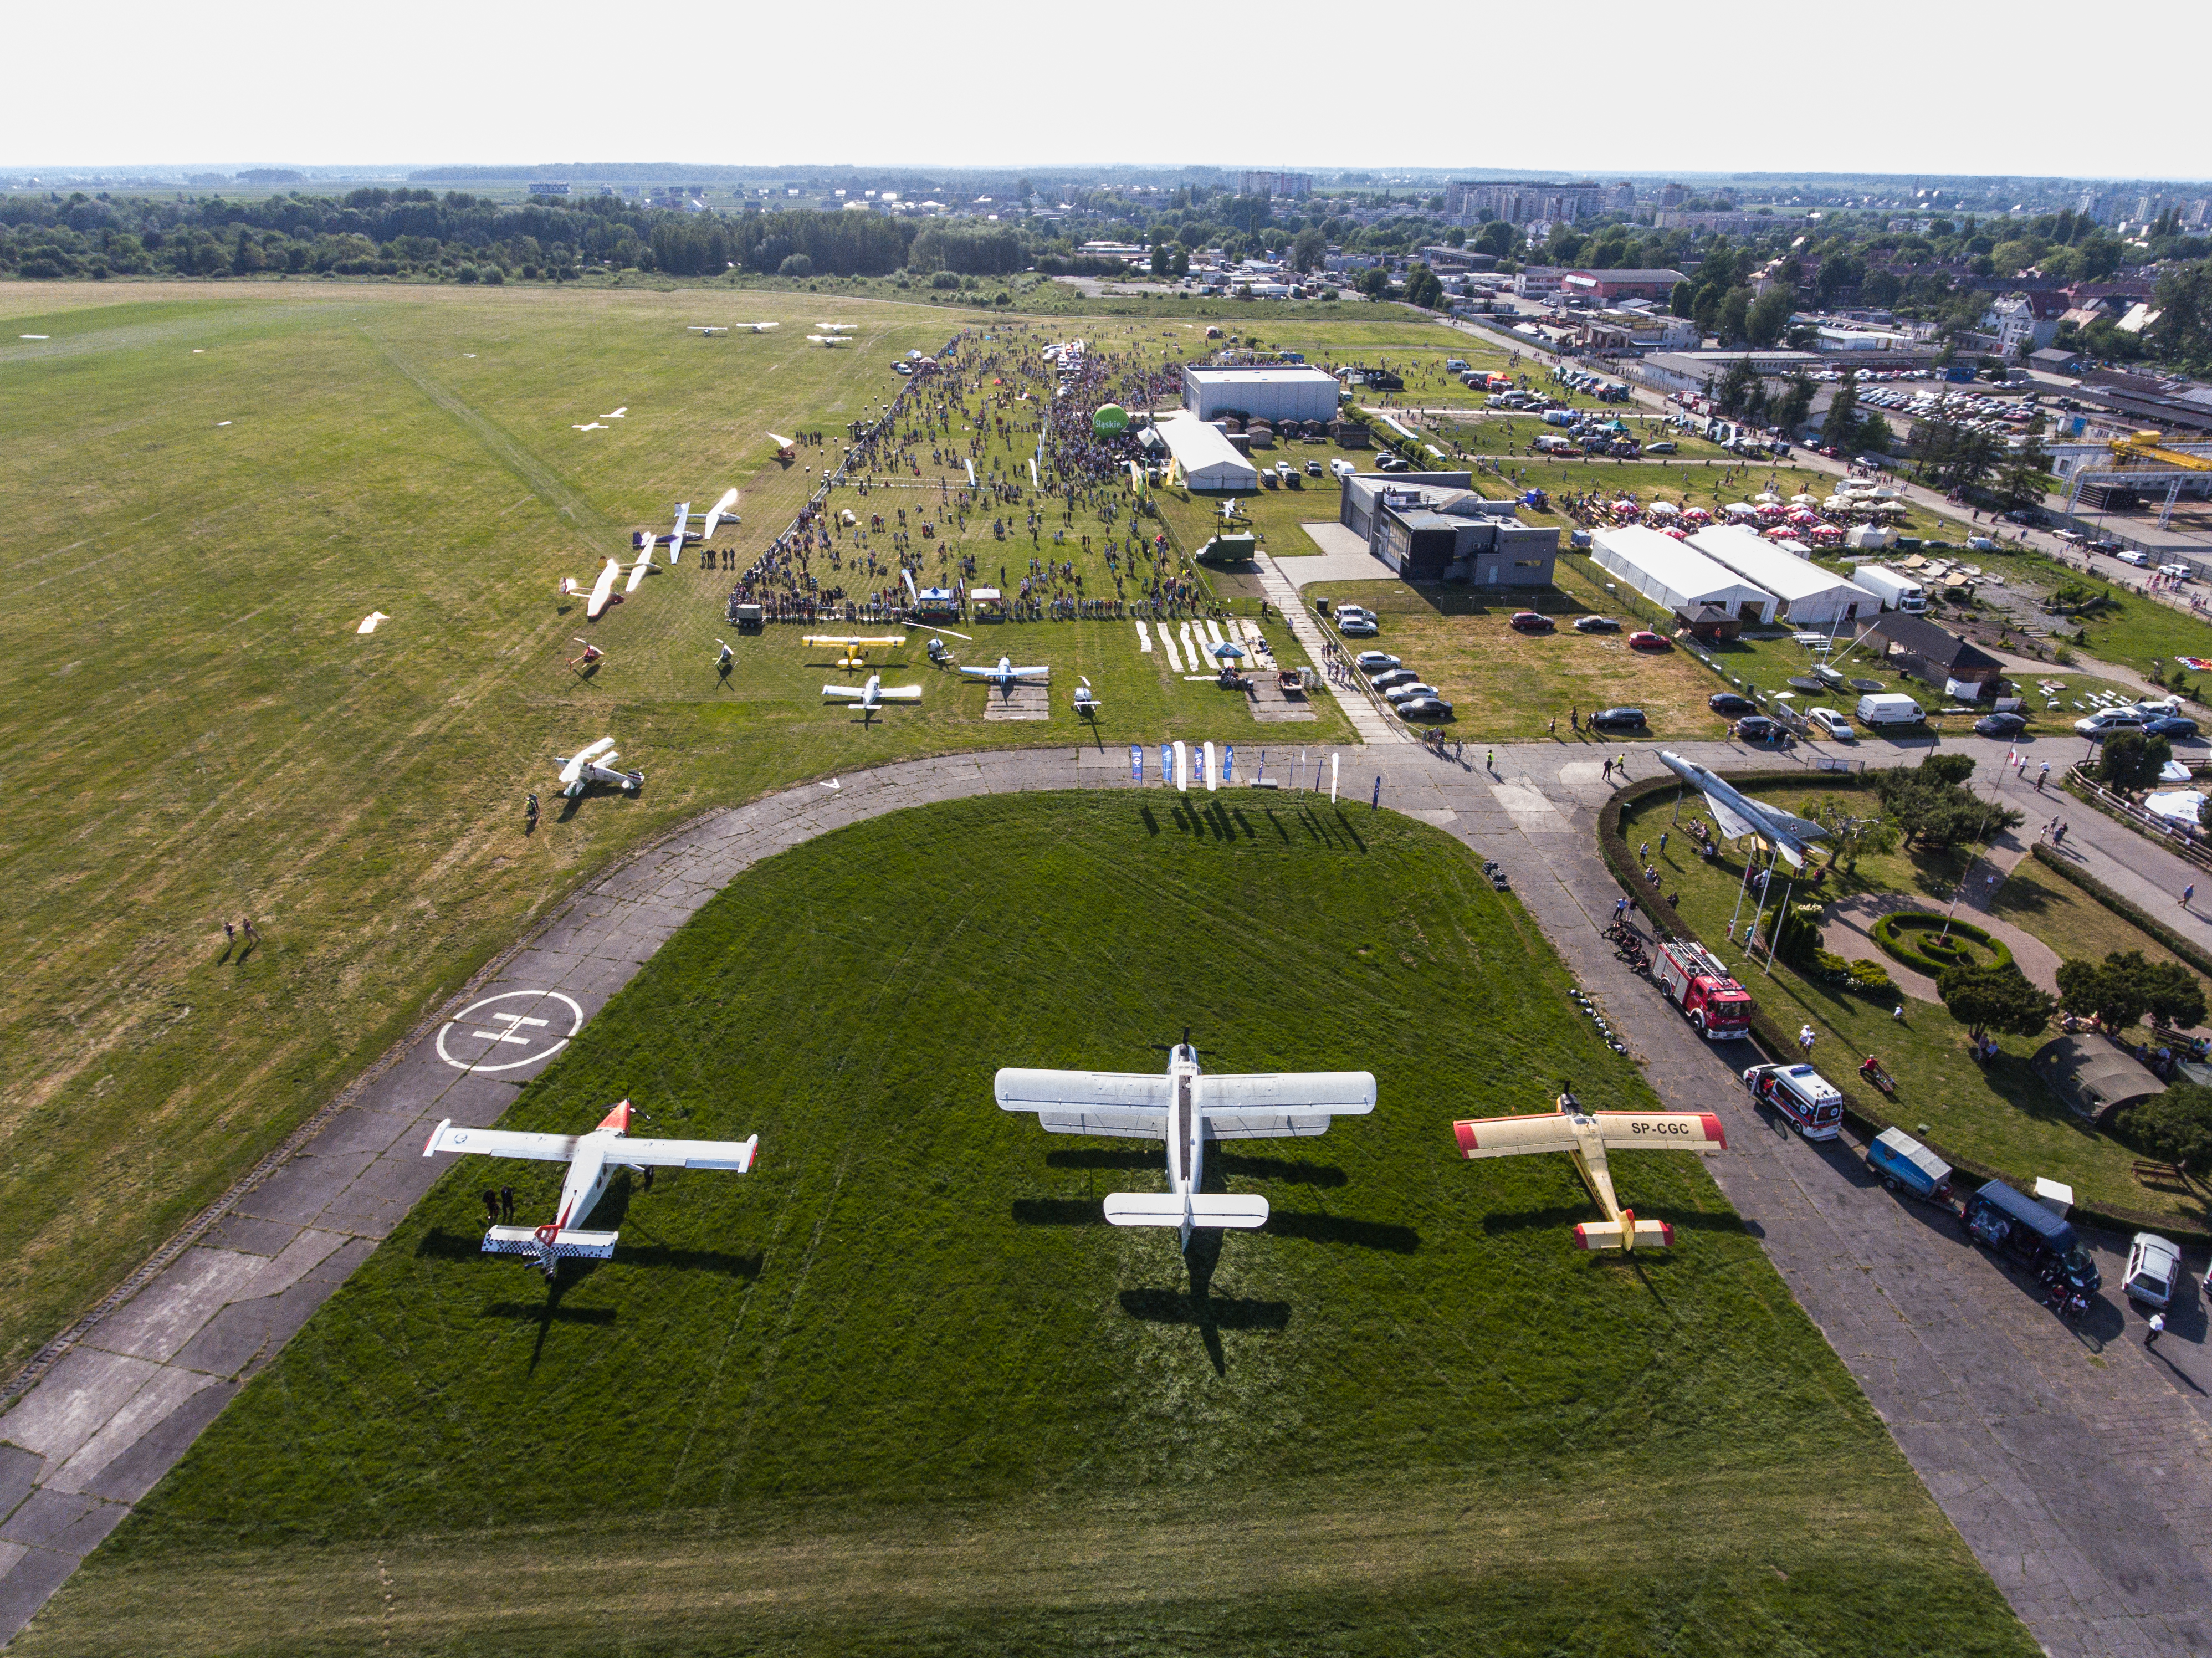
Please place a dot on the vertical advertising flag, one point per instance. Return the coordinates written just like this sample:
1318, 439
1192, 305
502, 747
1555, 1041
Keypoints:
1228, 764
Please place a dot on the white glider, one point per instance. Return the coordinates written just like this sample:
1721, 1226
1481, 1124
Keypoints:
827, 339
596, 764
603, 589
638, 571
368, 622
617, 414
594, 427
723, 508
592, 1159
676, 538
1186, 1109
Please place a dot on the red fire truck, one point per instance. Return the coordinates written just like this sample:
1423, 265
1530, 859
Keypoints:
1696, 980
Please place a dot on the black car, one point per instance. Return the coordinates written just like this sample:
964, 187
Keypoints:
1394, 678
2011, 725
1758, 728
1425, 707
1731, 705
1606, 719
2171, 725
1597, 624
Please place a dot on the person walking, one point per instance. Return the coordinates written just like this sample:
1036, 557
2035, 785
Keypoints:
229, 932
2188, 893
2042, 776
2157, 1329
507, 1206
491, 1208
1805, 1039
246, 925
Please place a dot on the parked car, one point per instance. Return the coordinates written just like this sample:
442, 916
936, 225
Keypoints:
1597, 624
1313, 468
2141, 561
2169, 725
1395, 678
1532, 622
1830, 723
1362, 629
1758, 728
1606, 720
1411, 693
1425, 707
1644, 640
1730, 704
1374, 662
1660, 448
1812, 1103
2000, 725
2154, 1270
1354, 613
2106, 721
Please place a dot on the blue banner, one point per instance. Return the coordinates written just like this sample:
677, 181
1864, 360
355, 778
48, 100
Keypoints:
1198, 764
1229, 763
1377, 801
1136, 763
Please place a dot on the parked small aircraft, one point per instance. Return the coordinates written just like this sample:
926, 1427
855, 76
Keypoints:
602, 592
870, 697
1186, 1109
828, 339
592, 1159
1006, 675
786, 448
1086, 706
596, 764
853, 645
726, 508
1587, 1135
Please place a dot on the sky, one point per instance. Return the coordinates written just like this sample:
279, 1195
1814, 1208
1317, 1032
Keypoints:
1594, 86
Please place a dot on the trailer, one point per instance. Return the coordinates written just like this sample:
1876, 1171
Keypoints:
1698, 983
1896, 592
1905, 1165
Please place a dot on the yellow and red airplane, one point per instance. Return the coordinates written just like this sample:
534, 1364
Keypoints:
1587, 1135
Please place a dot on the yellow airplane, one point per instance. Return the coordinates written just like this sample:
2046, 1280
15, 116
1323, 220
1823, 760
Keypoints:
853, 644
1587, 1135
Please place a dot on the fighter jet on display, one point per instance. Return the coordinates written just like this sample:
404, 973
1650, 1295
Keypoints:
871, 697
592, 1159
1006, 675
1587, 1135
1739, 814
1186, 1109
596, 764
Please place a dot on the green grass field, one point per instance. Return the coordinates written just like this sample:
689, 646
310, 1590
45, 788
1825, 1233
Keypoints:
899, 1391
208, 487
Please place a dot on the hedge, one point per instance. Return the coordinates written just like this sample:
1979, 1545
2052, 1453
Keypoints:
1862, 1111
1929, 959
2187, 949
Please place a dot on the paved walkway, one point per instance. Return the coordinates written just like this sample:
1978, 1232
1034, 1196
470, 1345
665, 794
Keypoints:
1374, 728
2078, 1467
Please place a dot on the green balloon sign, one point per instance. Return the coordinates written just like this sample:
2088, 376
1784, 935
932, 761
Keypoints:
1111, 420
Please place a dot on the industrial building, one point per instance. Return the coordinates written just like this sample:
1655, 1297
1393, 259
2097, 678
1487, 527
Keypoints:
1811, 597
1611, 285
1675, 575
1272, 393
1204, 455
1431, 526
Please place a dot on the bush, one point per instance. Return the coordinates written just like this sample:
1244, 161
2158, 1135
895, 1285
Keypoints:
1913, 937
946, 279
2176, 1125
795, 264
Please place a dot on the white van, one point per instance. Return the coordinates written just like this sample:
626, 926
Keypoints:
1883, 709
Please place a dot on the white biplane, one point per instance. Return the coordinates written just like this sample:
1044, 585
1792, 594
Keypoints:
596, 764
1006, 675
1587, 1135
1186, 1109
870, 697
592, 1159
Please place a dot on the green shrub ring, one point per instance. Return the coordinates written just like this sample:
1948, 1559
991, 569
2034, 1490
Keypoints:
1926, 953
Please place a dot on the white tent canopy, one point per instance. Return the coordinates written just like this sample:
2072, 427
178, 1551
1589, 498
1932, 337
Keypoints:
1674, 574
1208, 459
1812, 596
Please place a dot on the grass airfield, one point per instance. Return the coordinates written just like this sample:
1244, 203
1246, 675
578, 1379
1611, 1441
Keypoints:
899, 1391
208, 487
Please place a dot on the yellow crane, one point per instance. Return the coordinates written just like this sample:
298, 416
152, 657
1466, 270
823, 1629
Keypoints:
2149, 448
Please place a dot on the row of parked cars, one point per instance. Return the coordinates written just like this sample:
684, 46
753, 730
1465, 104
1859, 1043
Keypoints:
1400, 687
1535, 622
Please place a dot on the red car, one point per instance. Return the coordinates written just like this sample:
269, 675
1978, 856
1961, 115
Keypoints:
1532, 622
1644, 640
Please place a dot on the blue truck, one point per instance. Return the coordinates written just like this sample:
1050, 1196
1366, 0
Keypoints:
1905, 1165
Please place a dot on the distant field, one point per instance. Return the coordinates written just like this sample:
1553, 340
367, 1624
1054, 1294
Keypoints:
900, 1391
207, 487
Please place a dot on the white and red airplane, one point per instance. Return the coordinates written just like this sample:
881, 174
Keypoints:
1587, 1135
1186, 1109
592, 1159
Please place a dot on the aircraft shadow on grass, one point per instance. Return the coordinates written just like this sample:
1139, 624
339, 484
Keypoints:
1217, 1161
1198, 1308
